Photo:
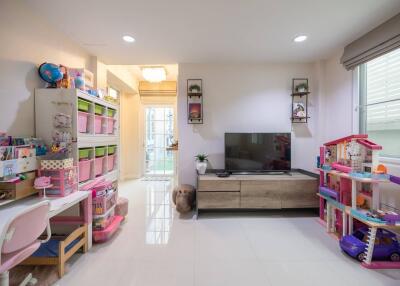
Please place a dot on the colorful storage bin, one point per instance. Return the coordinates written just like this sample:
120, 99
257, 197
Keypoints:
110, 112
99, 109
111, 149
83, 118
110, 125
100, 151
108, 232
85, 168
110, 162
104, 220
64, 181
98, 124
100, 205
84, 153
83, 105
98, 166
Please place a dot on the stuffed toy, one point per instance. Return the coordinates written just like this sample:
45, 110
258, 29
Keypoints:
184, 197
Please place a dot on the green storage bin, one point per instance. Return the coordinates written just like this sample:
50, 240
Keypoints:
84, 153
110, 112
83, 105
100, 151
111, 149
99, 109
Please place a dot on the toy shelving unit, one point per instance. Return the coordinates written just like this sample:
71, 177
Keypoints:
50, 102
347, 168
345, 165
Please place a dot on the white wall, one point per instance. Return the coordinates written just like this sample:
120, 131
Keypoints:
337, 118
26, 42
244, 98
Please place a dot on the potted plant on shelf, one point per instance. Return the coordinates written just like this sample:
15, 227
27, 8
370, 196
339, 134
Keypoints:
201, 163
302, 87
194, 88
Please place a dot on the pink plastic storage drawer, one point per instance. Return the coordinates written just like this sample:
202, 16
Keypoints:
64, 182
98, 124
110, 125
83, 121
103, 203
85, 168
101, 222
111, 162
107, 233
98, 166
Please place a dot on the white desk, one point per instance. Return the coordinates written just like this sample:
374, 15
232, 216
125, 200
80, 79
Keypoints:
57, 206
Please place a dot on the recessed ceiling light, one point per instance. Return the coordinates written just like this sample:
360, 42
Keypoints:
128, 39
300, 38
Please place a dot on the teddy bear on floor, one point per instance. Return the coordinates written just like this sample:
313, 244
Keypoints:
184, 197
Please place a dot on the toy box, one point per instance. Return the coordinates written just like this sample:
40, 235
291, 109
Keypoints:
57, 164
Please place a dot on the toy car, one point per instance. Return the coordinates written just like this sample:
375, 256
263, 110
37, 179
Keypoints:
386, 246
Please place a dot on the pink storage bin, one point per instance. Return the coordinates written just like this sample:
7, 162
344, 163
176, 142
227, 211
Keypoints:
110, 125
64, 181
110, 162
98, 124
83, 118
104, 235
84, 170
100, 205
98, 166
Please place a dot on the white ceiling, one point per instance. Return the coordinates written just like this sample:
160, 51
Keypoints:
189, 31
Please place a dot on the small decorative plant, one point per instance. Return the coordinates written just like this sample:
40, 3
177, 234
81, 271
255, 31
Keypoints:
302, 87
201, 157
194, 88
201, 163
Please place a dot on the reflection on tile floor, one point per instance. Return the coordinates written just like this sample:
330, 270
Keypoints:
155, 246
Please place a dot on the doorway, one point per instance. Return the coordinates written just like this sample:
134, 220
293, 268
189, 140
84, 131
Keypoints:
158, 135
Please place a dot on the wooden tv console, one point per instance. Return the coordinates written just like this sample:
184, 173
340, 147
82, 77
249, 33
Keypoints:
294, 190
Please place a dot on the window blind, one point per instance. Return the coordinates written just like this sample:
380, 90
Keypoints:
383, 92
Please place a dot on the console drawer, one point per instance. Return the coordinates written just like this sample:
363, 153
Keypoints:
218, 200
218, 186
300, 194
260, 194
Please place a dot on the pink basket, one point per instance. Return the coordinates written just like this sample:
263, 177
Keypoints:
104, 235
103, 203
98, 124
64, 181
84, 170
110, 125
82, 121
110, 162
98, 166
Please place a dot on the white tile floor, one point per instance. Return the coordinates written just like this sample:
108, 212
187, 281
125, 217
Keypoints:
157, 247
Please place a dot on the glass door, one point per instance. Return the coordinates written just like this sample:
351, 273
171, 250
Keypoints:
159, 133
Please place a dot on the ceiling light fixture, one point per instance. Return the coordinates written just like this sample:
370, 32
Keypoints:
154, 74
128, 39
299, 39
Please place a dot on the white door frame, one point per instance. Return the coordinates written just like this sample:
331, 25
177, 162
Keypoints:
143, 132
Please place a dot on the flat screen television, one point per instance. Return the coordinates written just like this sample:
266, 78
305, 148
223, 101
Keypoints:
257, 152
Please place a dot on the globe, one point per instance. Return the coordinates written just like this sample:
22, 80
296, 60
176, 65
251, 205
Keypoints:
50, 73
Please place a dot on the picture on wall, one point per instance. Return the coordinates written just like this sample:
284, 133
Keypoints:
194, 86
299, 110
194, 110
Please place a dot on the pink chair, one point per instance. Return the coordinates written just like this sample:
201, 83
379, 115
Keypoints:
19, 239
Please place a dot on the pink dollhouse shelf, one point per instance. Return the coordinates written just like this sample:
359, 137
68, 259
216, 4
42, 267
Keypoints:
382, 265
347, 139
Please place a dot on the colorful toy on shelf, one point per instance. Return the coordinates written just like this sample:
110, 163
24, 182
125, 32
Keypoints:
387, 246
51, 73
350, 201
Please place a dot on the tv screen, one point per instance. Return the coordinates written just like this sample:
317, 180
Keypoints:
252, 152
